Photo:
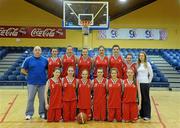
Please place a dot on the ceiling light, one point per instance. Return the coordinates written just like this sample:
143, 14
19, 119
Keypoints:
122, 1
104, 14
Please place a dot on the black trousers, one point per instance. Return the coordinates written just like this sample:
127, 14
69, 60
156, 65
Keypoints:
145, 100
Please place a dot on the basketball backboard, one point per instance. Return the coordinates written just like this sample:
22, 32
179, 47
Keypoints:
76, 13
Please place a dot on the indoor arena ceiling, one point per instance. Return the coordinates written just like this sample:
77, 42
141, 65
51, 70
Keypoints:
116, 10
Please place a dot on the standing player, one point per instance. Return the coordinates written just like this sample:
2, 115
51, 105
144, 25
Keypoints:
53, 62
101, 61
84, 62
55, 100
144, 76
114, 97
129, 64
69, 95
99, 98
69, 59
116, 61
130, 102
84, 94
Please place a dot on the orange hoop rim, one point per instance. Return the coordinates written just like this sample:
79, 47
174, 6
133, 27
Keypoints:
85, 23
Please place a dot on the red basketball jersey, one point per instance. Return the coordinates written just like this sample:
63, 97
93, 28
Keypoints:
130, 92
117, 63
84, 94
99, 89
84, 64
55, 100
115, 91
69, 90
66, 62
126, 67
101, 63
52, 64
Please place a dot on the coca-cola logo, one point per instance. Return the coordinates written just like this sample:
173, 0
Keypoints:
23, 31
38, 32
31, 32
9, 32
60, 32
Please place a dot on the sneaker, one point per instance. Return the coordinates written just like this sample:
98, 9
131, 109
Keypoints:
146, 118
42, 116
28, 117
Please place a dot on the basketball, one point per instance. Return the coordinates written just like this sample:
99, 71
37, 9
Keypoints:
81, 118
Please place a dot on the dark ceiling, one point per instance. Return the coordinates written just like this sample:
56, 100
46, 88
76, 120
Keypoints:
116, 8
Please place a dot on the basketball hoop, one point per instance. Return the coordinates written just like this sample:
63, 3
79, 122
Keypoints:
86, 15
85, 26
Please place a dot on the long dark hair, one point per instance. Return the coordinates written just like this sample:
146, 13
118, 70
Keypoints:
145, 59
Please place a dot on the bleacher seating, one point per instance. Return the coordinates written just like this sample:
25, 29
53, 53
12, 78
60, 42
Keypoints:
159, 80
3, 53
13, 75
173, 57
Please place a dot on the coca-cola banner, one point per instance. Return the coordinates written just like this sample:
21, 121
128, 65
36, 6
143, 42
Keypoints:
32, 32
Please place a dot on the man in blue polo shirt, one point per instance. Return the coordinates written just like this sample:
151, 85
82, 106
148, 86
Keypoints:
35, 68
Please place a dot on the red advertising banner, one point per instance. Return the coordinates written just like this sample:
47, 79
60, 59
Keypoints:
32, 32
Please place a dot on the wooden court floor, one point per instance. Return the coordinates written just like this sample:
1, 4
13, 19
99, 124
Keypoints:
165, 113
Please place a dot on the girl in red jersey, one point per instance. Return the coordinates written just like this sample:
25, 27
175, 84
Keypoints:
130, 91
69, 95
114, 96
116, 61
84, 94
84, 62
69, 59
55, 100
53, 62
129, 64
99, 96
101, 61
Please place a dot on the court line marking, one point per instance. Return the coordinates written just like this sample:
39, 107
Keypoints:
104, 122
9, 108
157, 111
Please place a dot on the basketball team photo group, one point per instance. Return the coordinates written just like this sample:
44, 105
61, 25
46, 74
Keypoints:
100, 88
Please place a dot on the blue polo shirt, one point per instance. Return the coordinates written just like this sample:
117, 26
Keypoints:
36, 68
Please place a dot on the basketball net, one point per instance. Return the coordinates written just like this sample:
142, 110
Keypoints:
85, 26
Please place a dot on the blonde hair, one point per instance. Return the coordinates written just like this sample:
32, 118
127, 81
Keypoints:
145, 59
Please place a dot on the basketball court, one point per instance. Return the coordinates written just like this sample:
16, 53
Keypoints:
165, 113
